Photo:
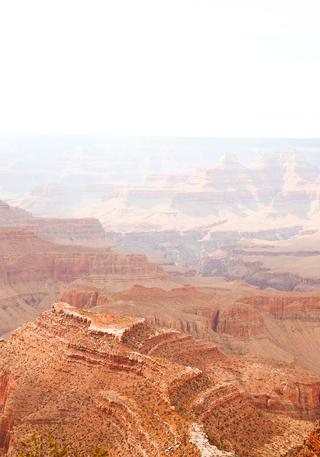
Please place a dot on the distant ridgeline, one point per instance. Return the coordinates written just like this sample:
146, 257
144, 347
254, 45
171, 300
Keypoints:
29, 160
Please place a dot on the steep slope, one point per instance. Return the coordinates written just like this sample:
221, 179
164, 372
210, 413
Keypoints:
187, 215
93, 379
309, 447
11, 215
85, 231
33, 270
239, 319
284, 265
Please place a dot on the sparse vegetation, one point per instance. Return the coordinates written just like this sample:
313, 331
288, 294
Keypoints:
40, 447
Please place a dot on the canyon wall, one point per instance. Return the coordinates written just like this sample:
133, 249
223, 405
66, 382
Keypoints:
284, 265
240, 319
85, 231
132, 385
190, 216
33, 270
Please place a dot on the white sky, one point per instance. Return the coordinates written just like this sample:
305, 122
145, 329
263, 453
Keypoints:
219, 68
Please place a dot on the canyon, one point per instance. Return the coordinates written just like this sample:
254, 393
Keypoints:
82, 160
85, 231
188, 320
136, 389
33, 270
286, 265
241, 320
195, 223
189, 215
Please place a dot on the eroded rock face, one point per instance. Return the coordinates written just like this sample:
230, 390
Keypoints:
240, 319
84, 231
33, 270
12, 214
72, 371
309, 447
284, 265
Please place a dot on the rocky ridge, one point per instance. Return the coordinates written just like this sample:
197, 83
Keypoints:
32, 271
240, 319
103, 379
189, 215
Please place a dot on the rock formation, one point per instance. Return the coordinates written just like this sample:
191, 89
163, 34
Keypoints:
33, 270
13, 215
310, 446
189, 215
238, 318
101, 379
85, 231
284, 265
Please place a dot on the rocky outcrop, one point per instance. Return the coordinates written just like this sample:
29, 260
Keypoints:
11, 215
25, 258
287, 390
33, 270
238, 318
310, 447
76, 371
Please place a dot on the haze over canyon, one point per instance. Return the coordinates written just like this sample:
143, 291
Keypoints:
160, 296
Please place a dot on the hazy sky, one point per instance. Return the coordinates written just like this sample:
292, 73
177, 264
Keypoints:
156, 67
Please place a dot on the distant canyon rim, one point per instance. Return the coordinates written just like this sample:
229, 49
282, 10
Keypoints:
187, 303
185, 218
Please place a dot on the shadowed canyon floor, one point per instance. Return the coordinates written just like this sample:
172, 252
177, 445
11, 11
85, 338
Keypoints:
284, 265
132, 388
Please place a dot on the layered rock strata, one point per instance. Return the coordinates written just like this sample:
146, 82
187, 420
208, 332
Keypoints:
284, 265
84, 231
33, 270
99, 379
238, 318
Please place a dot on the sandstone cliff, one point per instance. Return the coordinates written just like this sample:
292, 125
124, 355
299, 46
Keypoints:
101, 379
84, 231
33, 270
310, 447
238, 318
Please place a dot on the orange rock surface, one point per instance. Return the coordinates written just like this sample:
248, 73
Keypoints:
275, 386
239, 319
310, 446
32, 271
103, 379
